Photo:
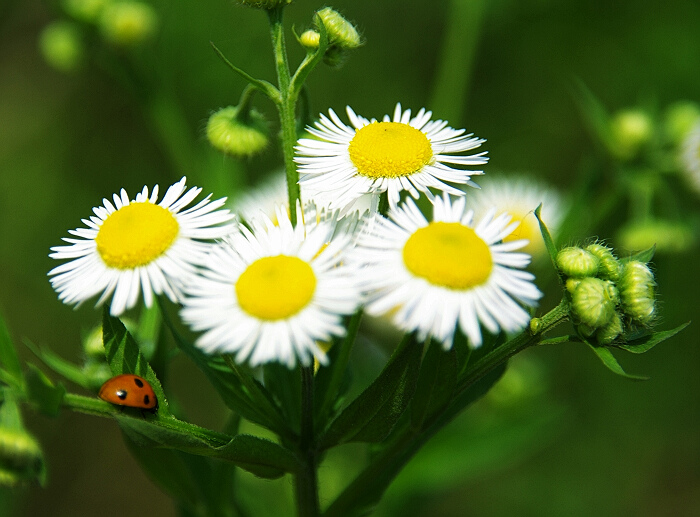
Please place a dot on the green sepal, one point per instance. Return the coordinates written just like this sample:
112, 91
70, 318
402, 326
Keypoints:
43, 393
547, 238
644, 256
605, 355
436, 384
9, 360
642, 344
252, 402
373, 414
123, 356
57, 364
256, 455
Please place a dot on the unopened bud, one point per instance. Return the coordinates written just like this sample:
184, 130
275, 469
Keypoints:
128, 23
341, 33
234, 133
593, 302
610, 331
87, 11
577, 262
680, 119
62, 46
20, 457
630, 129
609, 266
310, 39
637, 291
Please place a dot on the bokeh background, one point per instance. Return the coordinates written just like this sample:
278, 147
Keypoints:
562, 435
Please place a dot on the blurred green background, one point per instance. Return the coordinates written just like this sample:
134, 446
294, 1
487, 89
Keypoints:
576, 441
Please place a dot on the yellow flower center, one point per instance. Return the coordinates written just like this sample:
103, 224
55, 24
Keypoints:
389, 150
274, 288
449, 255
135, 235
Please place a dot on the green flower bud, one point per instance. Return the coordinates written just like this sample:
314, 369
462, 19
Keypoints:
593, 302
236, 133
62, 46
88, 11
572, 284
310, 39
680, 119
637, 291
609, 266
629, 130
341, 33
667, 236
128, 23
609, 332
264, 4
20, 457
577, 262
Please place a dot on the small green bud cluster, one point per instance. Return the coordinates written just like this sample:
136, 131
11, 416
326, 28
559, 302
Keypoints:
342, 36
20, 457
238, 132
608, 296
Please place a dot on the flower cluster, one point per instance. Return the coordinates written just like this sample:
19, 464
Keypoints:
267, 289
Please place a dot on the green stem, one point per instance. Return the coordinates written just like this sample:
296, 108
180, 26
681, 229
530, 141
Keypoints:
306, 479
286, 108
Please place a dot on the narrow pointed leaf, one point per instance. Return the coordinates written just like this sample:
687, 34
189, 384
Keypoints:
645, 343
393, 386
593, 113
641, 256
547, 237
42, 392
605, 355
264, 86
64, 368
9, 360
436, 384
123, 356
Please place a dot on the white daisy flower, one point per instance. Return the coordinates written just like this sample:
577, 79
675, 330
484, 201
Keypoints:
274, 293
690, 157
430, 276
519, 197
371, 157
134, 246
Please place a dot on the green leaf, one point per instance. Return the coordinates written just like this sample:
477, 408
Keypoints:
372, 415
593, 113
436, 384
123, 356
264, 86
547, 238
42, 392
148, 331
609, 360
641, 256
284, 384
649, 341
64, 368
9, 360
256, 455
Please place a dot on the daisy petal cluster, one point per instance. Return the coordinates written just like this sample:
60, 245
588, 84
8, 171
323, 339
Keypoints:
133, 247
274, 291
430, 277
400, 153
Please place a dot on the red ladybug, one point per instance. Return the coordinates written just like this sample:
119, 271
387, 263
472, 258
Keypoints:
129, 390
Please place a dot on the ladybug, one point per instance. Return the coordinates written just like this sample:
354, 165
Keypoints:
129, 390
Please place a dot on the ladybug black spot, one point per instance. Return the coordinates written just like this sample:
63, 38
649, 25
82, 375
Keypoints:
121, 394
146, 400
138, 382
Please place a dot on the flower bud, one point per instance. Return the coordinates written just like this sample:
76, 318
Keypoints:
637, 291
577, 262
680, 119
84, 10
629, 130
239, 134
264, 4
609, 266
572, 284
128, 23
62, 46
310, 39
609, 332
341, 33
20, 457
593, 302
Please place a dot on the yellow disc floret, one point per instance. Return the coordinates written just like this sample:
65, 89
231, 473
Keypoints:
449, 255
136, 235
274, 288
389, 150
